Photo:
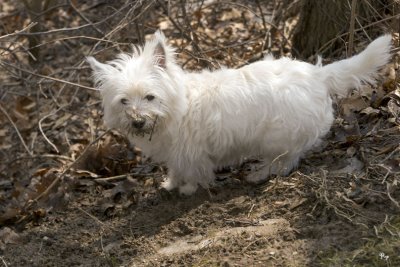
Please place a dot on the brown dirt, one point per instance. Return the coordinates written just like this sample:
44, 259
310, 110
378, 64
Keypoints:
339, 208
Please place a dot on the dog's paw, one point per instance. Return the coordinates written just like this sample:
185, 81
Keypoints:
169, 184
257, 177
188, 189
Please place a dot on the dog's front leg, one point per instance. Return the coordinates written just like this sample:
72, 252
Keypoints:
172, 181
188, 173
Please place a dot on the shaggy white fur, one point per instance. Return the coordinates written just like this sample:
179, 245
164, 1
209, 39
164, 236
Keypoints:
274, 109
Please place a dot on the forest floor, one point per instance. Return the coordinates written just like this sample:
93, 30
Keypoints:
74, 194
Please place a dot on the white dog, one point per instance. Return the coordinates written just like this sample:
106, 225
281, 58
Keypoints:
198, 122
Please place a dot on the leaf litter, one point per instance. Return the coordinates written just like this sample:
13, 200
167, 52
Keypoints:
98, 197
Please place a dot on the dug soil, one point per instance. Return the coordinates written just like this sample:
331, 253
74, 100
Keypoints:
75, 194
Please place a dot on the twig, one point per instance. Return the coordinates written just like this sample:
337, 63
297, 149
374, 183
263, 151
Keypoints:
188, 24
91, 216
127, 22
112, 178
124, 176
277, 160
101, 244
3, 261
390, 197
77, 37
41, 130
351, 29
120, 26
84, 17
267, 32
68, 29
365, 32
327, 44
152, 128
391, 154
203, 60
30, 25
16, 129
323, 194
246, 8
388, 172
50, 156
251, 210
48, 77
56, 180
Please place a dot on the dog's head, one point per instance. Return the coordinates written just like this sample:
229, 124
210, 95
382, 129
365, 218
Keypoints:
139, 90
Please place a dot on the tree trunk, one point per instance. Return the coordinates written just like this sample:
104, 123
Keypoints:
322, 22
34, 9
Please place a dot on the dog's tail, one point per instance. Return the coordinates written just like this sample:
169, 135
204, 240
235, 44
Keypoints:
350, 73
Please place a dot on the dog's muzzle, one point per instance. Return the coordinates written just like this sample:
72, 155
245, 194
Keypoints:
139, 122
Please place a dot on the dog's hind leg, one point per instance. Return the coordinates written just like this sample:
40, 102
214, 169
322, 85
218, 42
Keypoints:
195, 173
260, 175
188, 188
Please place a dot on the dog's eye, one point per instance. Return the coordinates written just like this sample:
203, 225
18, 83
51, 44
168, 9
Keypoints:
150, 97
124, 101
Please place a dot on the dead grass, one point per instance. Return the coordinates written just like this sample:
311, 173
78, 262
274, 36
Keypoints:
67, 189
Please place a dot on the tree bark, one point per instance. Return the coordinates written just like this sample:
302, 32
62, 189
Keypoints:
321, 23
34, 9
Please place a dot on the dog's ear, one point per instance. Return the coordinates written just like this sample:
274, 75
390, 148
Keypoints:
96, 66
101, 71
160, 56
159, 53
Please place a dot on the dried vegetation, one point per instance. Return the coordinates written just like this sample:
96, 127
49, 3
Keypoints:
73, 193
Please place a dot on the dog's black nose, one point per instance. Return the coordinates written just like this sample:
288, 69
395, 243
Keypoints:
139, 123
